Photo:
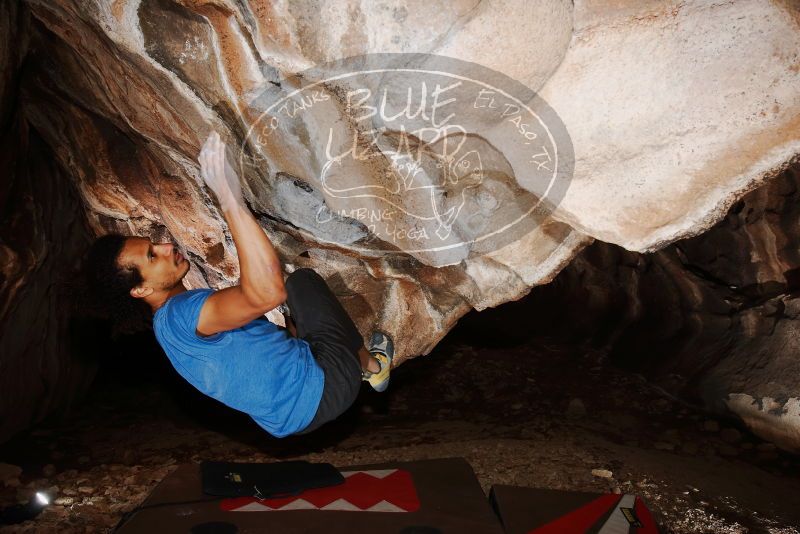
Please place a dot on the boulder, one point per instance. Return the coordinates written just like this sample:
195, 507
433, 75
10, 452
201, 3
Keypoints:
654, 120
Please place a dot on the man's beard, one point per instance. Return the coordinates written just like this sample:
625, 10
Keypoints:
172, 285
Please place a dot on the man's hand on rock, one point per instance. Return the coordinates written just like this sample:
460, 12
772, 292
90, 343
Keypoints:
218, 174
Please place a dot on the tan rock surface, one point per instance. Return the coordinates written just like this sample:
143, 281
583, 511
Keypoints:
675, 110
158, 75
713, 318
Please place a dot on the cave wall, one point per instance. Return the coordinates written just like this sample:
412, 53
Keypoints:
11, 53
712, 319
46, 360
675, 111
49, 353
664, 142
128, 108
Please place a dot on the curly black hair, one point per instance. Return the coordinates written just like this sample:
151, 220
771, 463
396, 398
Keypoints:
109, 285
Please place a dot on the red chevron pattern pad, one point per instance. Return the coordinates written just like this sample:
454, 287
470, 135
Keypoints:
389, 490
608, 514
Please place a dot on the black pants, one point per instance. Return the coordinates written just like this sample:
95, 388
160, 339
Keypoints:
335, 341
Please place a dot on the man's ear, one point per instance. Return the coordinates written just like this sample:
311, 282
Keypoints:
140, 292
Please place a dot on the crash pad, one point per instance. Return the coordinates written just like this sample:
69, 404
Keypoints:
546, 511
422, 497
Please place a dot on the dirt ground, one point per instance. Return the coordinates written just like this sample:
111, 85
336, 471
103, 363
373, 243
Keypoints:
539, 415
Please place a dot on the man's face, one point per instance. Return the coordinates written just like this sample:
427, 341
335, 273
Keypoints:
161, 265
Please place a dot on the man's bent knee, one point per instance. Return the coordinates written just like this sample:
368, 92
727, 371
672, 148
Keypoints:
303, 272
300, 274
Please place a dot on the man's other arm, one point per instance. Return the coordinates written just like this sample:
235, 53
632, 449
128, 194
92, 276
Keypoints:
260, 287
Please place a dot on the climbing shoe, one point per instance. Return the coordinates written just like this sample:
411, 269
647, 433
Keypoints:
381, 348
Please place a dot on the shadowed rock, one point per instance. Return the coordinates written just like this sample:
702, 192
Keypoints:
669, 124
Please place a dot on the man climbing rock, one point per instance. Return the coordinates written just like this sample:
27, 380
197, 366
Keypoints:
290, 381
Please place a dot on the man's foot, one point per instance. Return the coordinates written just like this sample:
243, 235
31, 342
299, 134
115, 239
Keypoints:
381, 348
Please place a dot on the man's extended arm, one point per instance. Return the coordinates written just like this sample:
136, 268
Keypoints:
260, 287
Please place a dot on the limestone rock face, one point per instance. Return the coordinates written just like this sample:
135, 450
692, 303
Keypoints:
42, 237
673, 112
46, 352
670, 121
128, 90
175, 71
713, 318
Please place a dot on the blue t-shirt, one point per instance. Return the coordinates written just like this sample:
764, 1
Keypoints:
258, 368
